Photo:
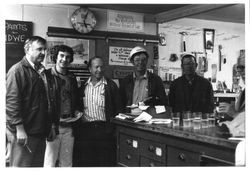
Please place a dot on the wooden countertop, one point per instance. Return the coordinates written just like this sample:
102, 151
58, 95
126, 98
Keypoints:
213, 135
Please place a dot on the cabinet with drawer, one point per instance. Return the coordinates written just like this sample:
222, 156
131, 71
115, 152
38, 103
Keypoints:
153, 150
148, 145
128, 150
148, 162
182, 157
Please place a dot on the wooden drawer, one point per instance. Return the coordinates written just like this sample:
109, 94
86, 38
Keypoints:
128, 158
146, 162
153, 150
128, 150
182, 157
128, 142
212, 161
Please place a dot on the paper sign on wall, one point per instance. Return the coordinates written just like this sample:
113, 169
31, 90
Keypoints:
119, 56
125, 21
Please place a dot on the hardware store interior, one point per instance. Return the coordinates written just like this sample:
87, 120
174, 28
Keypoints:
146, 85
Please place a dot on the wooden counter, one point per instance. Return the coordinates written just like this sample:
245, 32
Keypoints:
141, 144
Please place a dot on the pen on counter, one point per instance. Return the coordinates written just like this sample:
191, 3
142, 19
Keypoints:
28, 148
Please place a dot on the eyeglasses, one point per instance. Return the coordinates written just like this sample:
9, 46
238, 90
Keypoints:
189, 64
140, 60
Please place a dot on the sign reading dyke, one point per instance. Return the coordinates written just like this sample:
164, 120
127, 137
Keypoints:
119, 56
16, 32
125, 21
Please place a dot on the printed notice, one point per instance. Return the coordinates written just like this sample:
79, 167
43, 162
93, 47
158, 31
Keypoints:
119, 56
125, 21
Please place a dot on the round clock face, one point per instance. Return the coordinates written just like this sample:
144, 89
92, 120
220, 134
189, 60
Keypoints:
83, 20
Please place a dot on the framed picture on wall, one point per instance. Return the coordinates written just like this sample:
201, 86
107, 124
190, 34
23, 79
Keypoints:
208, 39
79, 46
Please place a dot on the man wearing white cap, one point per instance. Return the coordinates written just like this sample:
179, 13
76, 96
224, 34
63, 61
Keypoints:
142, 86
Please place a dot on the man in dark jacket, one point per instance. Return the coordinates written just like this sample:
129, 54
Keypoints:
28, 106
94, 135
191, 92
61, 148
141, 86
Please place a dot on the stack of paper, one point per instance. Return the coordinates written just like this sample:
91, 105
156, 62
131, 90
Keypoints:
160, 121
123, 116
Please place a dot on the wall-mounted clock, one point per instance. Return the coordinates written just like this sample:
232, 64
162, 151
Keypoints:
83, 20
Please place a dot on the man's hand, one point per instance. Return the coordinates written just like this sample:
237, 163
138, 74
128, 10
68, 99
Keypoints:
52, 134
226, 108
21, 135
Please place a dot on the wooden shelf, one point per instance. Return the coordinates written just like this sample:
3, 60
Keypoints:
95, 34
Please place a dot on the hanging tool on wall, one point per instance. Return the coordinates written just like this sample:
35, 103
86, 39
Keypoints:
201, 61
220, 57
183, 41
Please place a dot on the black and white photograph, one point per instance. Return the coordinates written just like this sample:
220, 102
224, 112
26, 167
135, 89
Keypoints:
107, 85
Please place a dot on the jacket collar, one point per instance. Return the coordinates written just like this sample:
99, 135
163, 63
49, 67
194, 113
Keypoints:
103, 80
55, 72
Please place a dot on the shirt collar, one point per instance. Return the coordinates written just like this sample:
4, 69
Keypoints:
41, 67
31, 63
145, 76
102, 81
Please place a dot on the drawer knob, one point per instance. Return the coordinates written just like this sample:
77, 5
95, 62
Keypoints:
128, 157
151, 148
182, 156
129, 142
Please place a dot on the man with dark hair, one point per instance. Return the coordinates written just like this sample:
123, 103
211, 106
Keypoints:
191, 92
142, 85
61, 148
95, 144
29, 111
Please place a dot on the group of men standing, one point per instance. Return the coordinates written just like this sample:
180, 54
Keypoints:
52, 122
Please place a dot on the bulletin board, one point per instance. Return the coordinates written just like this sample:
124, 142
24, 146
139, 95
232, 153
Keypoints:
16, 32
118, 70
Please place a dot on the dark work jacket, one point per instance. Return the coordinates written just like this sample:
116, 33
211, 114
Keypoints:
112, 106
197, 97
26, 100
74, 94
156, 90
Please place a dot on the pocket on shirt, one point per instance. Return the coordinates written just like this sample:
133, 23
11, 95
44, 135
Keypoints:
101, 101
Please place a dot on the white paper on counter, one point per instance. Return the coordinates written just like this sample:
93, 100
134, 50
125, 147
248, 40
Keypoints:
143, 108
160, 121
160, 109
144, 116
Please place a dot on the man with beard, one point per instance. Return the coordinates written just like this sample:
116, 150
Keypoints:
28, 106
191, 92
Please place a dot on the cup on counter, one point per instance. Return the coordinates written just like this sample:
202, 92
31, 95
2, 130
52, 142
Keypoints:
211, 120
197, 120
176, 118
186, 119
204, 120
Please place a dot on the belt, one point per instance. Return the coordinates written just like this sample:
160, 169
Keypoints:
94, 124
65, 115
65, 124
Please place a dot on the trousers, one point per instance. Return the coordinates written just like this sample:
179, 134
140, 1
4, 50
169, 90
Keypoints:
61, 149
31, 155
